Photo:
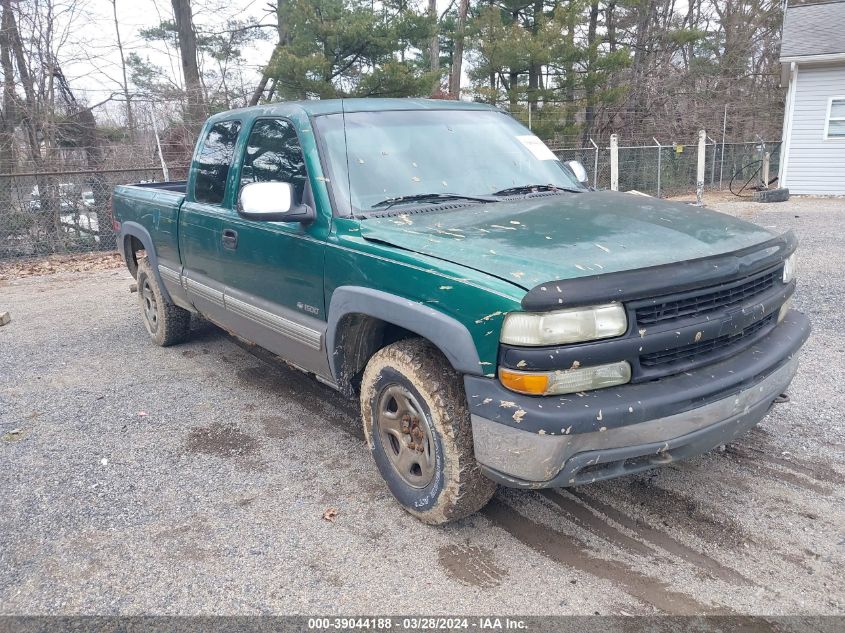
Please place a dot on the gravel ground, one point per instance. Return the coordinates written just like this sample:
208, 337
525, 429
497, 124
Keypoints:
194, 480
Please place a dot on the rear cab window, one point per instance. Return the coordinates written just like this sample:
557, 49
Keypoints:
214, 161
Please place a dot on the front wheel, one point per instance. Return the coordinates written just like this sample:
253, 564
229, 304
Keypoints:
418, 429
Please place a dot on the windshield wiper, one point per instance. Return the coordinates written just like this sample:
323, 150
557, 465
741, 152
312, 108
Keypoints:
512, 191
434, 198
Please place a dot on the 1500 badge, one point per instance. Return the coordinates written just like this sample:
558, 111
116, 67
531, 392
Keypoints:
307, 308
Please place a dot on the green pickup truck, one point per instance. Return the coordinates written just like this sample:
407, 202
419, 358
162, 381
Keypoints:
499, 321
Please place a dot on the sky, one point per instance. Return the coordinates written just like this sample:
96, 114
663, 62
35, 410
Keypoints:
90, 59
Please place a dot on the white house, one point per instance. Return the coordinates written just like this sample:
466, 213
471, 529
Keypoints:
812, 56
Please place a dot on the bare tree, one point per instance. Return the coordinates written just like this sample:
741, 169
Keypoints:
130, 120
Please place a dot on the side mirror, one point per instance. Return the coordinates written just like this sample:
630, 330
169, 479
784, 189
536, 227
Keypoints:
271, 202
578, 169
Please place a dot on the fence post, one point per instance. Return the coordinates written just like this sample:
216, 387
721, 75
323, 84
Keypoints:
722, 159
699, 178
762, 149
766, 163
164, 169
614, 162
712, 163
595, 165
659, 159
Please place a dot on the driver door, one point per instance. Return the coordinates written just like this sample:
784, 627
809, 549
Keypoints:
274, 270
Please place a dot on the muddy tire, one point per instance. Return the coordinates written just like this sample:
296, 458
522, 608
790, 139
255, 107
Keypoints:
167, 324
418, 429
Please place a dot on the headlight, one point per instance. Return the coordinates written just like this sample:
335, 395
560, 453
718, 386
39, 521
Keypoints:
564, 326
789, 268
566, 380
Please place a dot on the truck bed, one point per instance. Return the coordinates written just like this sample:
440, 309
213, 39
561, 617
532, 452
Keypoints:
179, 186
129, 200
153, 207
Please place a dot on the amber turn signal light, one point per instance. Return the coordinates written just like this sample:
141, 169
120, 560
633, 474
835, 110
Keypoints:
532, 384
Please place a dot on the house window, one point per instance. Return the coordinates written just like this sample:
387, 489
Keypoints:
835, 127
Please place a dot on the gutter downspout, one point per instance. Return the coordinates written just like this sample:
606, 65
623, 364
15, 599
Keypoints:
788, 116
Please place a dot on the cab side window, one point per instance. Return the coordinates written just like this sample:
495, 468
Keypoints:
273, 154
214, 160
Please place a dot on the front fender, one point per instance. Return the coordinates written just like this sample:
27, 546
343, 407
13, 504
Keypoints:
449, 335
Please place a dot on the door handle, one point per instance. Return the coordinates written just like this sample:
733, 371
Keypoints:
230, 239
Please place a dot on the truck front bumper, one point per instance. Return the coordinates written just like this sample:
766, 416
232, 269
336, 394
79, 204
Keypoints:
554, 442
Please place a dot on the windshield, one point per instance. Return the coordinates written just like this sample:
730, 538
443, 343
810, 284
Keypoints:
393, 154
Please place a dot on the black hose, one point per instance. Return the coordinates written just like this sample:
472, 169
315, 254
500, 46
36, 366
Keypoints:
739, 193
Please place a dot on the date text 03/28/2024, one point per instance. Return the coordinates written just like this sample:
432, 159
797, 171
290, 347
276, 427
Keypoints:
417, 623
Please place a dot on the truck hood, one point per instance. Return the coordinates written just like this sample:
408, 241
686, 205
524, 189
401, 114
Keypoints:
563, 236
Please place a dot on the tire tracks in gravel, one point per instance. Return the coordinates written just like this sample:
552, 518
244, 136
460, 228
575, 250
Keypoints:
658, 538
804, 474
573, 552
470, 565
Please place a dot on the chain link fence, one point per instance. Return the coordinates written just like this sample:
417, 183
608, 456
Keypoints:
670, 170
61, 212
70, 211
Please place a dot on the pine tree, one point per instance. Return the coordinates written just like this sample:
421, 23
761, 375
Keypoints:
334, 48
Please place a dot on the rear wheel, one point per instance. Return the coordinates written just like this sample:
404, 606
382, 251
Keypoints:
418, 429
166, 323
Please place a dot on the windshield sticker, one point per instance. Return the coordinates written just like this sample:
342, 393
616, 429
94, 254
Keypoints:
536, 147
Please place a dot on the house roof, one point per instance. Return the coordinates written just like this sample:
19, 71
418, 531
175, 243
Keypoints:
813, 27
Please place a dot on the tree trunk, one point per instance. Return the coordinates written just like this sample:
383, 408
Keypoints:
643, 47
195, 111
284, 39
27, 114
261, 87
610, 20
534, 68
513, 89
434, 46
573, 12
458, 52
8, 120
589, 89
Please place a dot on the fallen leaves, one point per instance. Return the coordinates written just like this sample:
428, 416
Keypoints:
330, 515
69, 263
